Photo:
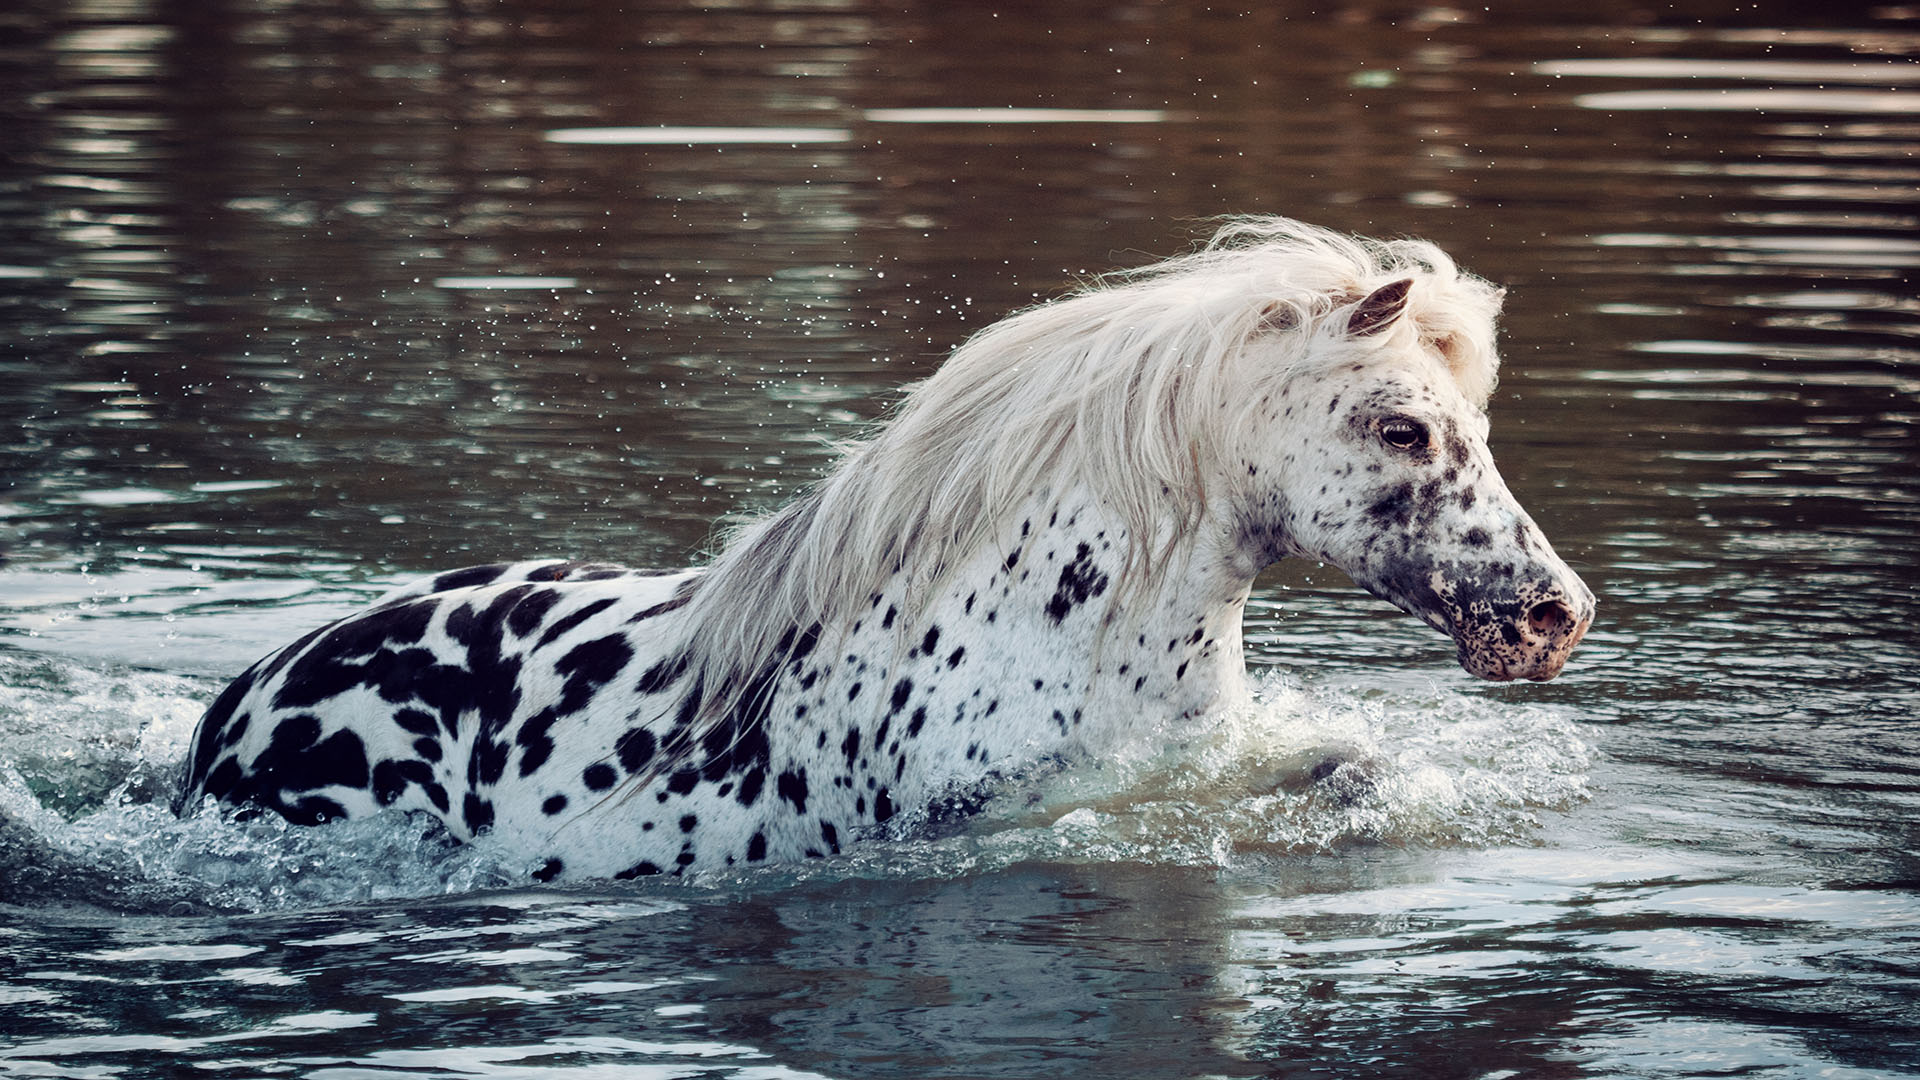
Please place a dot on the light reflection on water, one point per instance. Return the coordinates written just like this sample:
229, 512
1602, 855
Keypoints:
272, 341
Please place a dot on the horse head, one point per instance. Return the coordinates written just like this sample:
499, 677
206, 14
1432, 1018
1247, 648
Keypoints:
1378, 428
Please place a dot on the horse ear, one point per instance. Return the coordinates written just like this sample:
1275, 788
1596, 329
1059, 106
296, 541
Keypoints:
1380, 308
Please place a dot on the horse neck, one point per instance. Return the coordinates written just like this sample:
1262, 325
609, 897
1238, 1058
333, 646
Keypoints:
1080, 635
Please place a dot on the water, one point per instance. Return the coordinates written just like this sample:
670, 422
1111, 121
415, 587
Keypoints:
299, 299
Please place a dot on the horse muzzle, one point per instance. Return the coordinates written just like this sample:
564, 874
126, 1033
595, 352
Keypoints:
1503, 630
1531, 644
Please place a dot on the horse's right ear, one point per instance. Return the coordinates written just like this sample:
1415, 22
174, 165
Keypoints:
1380, 308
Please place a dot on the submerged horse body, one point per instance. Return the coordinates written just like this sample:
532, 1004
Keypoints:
1048, 548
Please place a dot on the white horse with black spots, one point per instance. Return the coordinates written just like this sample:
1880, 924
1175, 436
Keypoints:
1046, 549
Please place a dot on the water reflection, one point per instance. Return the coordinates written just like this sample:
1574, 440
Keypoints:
697, 136
918, 979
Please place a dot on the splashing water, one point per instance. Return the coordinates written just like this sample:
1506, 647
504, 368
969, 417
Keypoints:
1299, 770
89, 762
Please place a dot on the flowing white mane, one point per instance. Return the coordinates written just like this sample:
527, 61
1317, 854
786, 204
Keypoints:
1117, 389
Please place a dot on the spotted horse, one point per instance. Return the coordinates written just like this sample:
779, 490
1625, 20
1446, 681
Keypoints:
1048, 548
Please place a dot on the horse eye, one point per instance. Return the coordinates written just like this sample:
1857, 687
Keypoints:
1403, 434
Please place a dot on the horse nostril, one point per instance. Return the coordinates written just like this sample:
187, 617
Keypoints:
1550, 618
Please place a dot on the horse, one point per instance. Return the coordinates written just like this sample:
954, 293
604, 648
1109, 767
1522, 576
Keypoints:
1046, 550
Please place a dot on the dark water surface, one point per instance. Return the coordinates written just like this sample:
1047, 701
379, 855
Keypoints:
301, 299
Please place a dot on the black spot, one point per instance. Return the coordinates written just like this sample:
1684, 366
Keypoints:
599, 776
886, 623
954, 658
918, 720
635, 748
560, 626
882, 806
679, 601
688, 822
902, 690
549, 870
690, 703
471, 577
417, 722
683, 781
850, 746
1427, 503
536, 741
589, 666
792, 787
932, 640
797, 647
477, 813
831, 835
488, 762
639, 869
1393, 507
757, 847
662, 674
1080, 580
1477, 537
532, 609
388, 783
553, 805
750, 786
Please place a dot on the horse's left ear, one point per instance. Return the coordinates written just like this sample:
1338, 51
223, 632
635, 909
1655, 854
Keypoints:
1381, 307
